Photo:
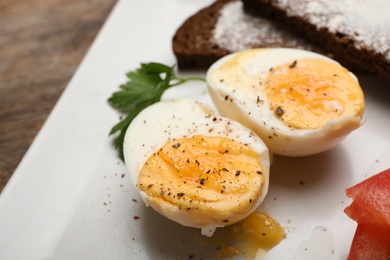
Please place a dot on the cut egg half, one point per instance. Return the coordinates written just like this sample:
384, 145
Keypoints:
300, 103
195, 167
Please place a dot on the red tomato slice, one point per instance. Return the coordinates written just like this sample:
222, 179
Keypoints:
371, 210
371, 200
367, 245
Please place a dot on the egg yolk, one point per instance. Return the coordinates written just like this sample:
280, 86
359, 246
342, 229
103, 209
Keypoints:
206, 176
245, 238
307, 93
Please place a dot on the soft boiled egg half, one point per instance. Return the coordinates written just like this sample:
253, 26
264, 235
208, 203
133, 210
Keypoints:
300, 103
194, 167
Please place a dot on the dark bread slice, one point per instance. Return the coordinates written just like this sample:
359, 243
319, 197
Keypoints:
196, 45
191, 43
354, 32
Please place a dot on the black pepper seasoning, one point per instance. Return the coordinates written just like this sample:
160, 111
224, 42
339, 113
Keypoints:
176, 145
279, 111
293, 65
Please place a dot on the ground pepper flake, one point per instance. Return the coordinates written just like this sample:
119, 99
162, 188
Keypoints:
293, 65
176, 145
279, 111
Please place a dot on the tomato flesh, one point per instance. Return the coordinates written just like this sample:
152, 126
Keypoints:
371, 210
368, 245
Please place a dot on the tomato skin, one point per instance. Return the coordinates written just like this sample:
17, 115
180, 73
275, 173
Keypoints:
368, 245
371, 198
371, 210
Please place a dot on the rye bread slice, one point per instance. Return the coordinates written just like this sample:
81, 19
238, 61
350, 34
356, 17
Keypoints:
223, 28
354, 31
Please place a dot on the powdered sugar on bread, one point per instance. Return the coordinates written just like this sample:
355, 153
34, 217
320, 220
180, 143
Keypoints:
236, 31
367, 22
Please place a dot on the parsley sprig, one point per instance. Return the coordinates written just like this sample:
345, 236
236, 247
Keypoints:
144, 87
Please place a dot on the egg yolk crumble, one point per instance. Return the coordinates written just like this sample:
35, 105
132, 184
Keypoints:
258, 231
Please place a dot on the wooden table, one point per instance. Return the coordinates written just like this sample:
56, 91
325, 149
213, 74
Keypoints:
41, 44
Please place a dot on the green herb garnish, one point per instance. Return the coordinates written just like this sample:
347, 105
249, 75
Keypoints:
144, 87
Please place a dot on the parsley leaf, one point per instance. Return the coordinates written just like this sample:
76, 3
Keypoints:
144, 87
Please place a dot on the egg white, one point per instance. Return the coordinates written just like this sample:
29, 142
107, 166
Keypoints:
167, 120
238, 101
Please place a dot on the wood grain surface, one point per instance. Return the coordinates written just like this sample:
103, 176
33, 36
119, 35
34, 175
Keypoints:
41, 44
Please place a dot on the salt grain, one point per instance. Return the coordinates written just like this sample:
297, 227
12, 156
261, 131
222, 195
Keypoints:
236, 31
365, 21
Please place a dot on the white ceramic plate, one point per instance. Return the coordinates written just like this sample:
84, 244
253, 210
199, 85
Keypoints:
70, 197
